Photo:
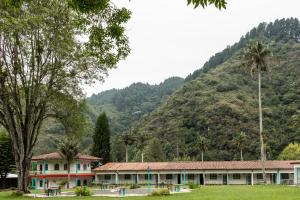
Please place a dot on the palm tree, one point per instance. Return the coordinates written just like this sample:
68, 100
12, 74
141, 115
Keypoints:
201, 144
240, 141
142, 140
128, 139
69, 148
258, 57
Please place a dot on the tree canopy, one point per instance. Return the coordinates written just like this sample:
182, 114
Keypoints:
51, 47
101, 139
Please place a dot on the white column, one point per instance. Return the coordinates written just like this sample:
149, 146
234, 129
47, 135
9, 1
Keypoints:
203, 178
227, 179
158, 178
252, 179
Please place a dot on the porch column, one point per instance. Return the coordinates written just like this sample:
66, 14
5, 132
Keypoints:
137, 179
158, 178
117, 179
295, 176
278, 178
228, 179
252, 179
204, 179
76, 180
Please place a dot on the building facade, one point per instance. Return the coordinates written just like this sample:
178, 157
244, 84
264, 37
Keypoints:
51, 170
203, 173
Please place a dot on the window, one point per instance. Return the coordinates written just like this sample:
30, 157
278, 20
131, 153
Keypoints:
285, 176
56, 167
169, 176
84, 167
65, 166
127, 177
190, 176
84, 182
46, 167
146, 176
236, 176
78, 166
107, 177
259, 176
41, 183
213, 176
78, 183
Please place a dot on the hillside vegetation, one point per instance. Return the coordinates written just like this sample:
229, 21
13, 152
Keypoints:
220, 100
126, 106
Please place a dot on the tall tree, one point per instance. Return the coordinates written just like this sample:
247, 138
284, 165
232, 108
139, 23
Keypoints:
41, 55
101, 146
258, 57
142, 139
128, 139
291, 152
69, 148
7, 162
202, 145
240, 141
154, 151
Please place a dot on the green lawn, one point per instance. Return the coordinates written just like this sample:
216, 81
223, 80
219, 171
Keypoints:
211, 193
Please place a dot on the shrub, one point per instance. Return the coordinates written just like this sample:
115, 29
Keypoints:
193, 185
17, 194
63, 183
226, 87
163, 192
83, 191
134, 186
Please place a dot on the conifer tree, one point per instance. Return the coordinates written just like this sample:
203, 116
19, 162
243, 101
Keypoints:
101, 147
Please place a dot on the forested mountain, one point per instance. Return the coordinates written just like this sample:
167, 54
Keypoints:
123, 107
220, 100
126, 106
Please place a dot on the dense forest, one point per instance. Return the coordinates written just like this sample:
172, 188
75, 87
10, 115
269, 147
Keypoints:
123, 107
126, 106
220, 100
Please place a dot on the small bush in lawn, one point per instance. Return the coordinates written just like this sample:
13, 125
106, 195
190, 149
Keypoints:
193, 185
83, 191
63, 183
163, 192
134, 186
17, 194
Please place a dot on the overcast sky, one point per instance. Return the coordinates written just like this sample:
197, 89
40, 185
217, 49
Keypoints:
169, 38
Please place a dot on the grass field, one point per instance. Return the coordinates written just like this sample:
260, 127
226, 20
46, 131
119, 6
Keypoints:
209, 193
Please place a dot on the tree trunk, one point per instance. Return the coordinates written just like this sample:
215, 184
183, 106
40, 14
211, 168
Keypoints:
262, 151
202, 156
68, 183
142, 156
242, 155
177, 151
23, 167
126, 149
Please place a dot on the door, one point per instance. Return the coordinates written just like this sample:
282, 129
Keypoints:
201, 179
273, 178
224, 179
248, 179
179, 178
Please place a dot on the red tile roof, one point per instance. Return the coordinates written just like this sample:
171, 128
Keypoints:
194, 165
60, 156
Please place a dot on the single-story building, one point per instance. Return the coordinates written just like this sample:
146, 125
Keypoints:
50, 170
203, 173
296, 172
